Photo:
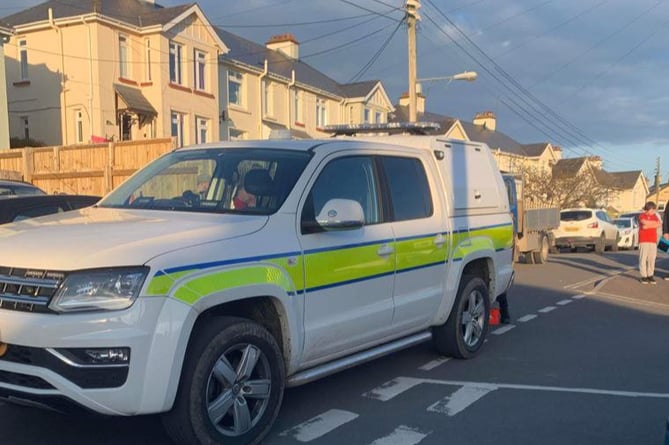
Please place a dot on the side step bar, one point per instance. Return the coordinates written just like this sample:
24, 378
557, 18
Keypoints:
359, 358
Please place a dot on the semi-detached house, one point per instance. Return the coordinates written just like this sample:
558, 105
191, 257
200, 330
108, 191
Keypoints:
88, 71
265, 88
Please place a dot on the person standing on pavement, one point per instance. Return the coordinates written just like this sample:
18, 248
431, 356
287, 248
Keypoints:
665, 229
648, 225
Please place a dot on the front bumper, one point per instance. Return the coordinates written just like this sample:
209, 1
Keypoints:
626, 241
151, 328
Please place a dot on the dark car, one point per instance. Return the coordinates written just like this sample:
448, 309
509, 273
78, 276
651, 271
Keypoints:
25, 207
10, 189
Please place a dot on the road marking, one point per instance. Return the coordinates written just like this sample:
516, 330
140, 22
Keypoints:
392, 388
603, 275
593, 391
527, 318
503, 329
433, 364
459, 400
578, 297
403, 435
547, 309
564, 302
320, 425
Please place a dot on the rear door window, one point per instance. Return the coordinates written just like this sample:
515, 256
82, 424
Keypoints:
575, 215
409, 190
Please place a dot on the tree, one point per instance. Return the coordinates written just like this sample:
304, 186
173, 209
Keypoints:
544, 189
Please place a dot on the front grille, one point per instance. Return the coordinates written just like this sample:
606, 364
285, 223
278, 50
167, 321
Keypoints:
28, 290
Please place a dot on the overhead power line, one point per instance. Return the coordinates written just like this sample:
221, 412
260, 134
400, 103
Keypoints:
569, 130
376, 55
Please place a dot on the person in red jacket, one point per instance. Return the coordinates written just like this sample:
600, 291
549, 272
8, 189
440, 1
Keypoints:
649, 222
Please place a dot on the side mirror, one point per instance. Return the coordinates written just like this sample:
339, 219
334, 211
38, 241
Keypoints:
341, 214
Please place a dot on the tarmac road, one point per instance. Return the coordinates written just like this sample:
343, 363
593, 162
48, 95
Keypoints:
585, 361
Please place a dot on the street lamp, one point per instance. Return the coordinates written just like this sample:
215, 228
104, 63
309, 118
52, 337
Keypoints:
469, 76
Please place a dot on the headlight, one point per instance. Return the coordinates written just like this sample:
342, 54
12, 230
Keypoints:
102, 289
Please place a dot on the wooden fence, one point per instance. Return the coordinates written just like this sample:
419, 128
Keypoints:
81, 169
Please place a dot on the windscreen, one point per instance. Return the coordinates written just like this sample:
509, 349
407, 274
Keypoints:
252, 181
575, 215
623, 223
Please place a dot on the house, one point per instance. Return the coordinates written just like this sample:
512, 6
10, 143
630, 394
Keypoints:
5, 34
627, 190
265, 88
660, 195
81, 72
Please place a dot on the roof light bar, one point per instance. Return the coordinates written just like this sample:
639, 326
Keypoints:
416, 128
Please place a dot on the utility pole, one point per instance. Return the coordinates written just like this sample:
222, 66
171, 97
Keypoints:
657, 181
412, 16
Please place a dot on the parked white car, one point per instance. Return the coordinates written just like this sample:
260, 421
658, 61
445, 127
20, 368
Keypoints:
628, 229
586, 228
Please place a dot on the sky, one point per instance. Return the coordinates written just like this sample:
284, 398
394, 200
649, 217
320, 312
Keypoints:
589, 76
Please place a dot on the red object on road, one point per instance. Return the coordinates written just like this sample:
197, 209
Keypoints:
495, 316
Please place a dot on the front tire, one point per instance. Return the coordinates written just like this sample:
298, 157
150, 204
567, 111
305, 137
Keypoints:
464, 332
600, 245
231, 385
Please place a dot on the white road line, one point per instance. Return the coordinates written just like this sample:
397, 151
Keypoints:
503, 329
527, 318
459, 400
403, 435
392, 388
564, 302
320, 425
547, 309
578, 297
433, 364
593, 391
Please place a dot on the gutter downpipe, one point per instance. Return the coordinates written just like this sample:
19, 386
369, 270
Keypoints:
63, 113
90, 78
291, 84
262, 96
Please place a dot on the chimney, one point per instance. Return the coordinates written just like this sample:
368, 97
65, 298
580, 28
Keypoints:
420, 101
596, 162
486, 119
286, 44
558, 152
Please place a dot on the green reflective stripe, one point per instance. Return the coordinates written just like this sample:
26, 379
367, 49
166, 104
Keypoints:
161, 285
293, 266
466, 243
414, 253
334, 266
216, 282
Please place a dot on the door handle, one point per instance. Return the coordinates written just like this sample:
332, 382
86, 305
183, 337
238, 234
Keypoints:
385, 250
439, 240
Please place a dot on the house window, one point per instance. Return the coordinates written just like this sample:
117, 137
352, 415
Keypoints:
202, 126
23, 56
378, 118
235, 84
178, 128
175, 63
321, 113
123, 56
268, 99
26, 127
200, 70
148, 61
366, 115
236, 135
297, 103
79, 126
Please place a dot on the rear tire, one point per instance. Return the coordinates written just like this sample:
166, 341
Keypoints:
231, 385
464, 332
541, 255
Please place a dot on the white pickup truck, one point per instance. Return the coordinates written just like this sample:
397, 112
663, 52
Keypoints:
220, 274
